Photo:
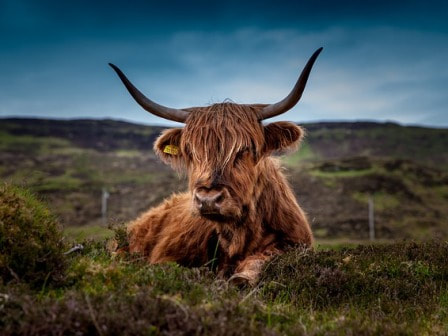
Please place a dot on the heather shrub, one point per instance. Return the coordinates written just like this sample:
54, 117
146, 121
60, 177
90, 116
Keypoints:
31, 241
402, 272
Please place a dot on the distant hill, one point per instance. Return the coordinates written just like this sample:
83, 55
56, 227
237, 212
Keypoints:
101, 135
340, 165
427, 146
324, 140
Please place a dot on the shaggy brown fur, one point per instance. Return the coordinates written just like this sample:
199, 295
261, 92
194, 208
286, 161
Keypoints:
226, 151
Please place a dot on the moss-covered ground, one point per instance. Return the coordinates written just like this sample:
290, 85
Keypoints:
394, 289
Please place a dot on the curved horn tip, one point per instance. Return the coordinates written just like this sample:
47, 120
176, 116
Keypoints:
113, 66
315, 55
294, 96
147, 104
317, 52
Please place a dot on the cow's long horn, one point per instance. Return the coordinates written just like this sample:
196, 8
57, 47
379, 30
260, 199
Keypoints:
148, 104
292, 99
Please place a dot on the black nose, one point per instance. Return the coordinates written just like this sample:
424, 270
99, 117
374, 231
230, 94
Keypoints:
208, 202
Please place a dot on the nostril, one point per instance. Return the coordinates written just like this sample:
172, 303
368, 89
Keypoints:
219, 199
198, 201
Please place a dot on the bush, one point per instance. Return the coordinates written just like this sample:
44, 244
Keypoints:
409, 272
394, 289
31, 241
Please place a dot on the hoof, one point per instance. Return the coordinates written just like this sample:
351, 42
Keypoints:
242, 279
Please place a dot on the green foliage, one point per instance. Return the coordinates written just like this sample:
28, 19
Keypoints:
379, 289
370, 290
31, 242
121, 236
142, 313
401, 271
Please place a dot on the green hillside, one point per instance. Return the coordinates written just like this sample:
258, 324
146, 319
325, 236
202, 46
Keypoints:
338, 168
426, 146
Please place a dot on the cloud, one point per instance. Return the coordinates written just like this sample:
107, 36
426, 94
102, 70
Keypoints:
379, 73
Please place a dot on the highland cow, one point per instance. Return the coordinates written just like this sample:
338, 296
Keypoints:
239, 208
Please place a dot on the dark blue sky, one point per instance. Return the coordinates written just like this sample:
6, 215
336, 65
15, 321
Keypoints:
382, 60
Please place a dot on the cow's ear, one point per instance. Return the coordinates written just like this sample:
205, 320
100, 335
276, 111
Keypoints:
167, 147
282, 137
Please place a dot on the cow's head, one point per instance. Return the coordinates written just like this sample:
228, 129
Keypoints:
222, 146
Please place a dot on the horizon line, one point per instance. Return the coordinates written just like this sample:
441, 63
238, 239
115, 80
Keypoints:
174, 125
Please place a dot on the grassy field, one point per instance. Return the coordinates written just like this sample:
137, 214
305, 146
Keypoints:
339, 288
388, 289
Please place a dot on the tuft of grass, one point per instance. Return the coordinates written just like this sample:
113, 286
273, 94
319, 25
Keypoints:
31, 242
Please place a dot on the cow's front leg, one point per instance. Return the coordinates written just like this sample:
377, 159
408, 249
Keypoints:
248, 270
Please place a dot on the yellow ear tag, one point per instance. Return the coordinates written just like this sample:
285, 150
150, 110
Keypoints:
171, 149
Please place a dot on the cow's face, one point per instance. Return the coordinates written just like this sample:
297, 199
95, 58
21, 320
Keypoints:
222, 148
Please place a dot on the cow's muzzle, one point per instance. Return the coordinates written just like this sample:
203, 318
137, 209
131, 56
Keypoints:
208, 201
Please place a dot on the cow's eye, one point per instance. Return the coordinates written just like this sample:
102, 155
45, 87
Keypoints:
240, 155
188, 153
